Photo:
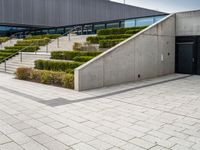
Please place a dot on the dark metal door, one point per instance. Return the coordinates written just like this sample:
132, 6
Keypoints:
185, 58
198, 57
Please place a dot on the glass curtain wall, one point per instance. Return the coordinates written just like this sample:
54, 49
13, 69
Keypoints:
86, 29
142, 21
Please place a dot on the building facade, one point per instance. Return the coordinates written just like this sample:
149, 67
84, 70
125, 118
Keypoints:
58, 16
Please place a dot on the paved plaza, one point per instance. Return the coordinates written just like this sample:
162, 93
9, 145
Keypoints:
158, 114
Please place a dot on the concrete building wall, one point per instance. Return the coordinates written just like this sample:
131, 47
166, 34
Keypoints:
149, 54
188, 23
66, 12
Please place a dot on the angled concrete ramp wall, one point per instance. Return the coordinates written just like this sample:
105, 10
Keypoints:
149, 54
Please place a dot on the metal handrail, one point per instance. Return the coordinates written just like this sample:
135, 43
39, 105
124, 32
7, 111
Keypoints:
5, 59
68, 32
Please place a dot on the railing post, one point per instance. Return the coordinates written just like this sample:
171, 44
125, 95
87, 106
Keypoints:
57, 42
69, 36
5, 66
47, 48
21, 56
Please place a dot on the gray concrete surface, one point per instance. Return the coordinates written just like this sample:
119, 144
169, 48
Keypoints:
150, 53
188, 23
161, 116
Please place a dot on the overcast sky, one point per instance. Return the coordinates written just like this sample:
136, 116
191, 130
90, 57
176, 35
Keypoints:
165, 5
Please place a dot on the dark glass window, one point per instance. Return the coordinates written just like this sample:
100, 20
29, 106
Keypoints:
60, 30
113, 25
99, 27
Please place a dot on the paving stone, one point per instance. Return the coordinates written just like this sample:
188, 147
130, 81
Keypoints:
111, 140
83, 146
182, 142
179, 147
4, 139
130, 146
66, 139
42, 138
55, 145
142, 143
158, 148
10, 146
7, 129
83, 137
19, 138
31, 131
122, 136
56, 125
21, 126
155, 140
100, 145
48, 130
69, 130
32, 145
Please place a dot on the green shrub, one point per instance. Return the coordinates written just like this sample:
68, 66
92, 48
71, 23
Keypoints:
9, 51
113, 36
70, 71
23, 73
35, 42
1, 58
109, 43
69, 55
3, 39
25, 48
93, 39
5, 54
56, 65
82, 58
47, 77
133, 31
117, 30
77, 46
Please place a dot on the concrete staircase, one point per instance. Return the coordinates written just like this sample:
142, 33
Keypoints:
27, 61
29, 58
10, 42
64, 43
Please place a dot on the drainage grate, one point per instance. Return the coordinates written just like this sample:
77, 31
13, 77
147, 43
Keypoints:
57, 102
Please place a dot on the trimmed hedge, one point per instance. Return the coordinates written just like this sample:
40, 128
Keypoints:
9, 51
109, 43
3, 39
56, 65
93, 39
96, 39
117, 30
50, 36
82, 58
26, 49
133, 31
69, 55
46, 77
35, 42
6, 54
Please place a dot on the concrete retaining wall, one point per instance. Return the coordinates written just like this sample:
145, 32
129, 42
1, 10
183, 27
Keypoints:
149, 54
188, 23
